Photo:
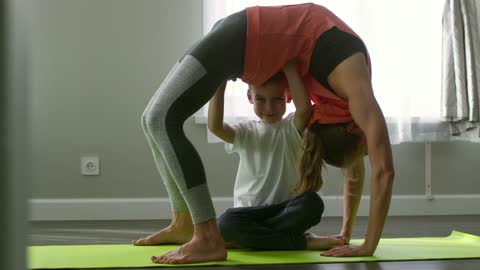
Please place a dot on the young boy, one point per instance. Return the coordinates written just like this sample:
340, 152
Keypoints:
266, 216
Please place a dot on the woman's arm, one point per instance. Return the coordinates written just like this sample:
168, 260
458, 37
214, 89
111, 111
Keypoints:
354, 176
351, 81
215, 116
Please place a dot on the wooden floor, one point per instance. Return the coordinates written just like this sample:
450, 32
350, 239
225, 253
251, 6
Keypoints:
121, 232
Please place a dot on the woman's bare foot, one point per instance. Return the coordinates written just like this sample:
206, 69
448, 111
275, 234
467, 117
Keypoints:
322, 243
180, 231
206, 245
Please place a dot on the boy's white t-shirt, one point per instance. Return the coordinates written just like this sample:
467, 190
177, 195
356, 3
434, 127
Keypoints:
269, 154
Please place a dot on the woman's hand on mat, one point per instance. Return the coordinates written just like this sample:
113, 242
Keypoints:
348, 251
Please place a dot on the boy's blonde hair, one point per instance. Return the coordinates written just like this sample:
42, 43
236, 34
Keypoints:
279, 78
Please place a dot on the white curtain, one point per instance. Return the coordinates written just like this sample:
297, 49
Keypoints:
404, 41
461, 63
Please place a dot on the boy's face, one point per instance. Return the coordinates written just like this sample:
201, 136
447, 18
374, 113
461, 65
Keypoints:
269, 102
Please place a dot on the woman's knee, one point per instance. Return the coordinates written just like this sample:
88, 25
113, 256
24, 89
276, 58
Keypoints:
143, 120
152, 119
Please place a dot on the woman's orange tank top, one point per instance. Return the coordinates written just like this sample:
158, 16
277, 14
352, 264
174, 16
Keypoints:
277, 34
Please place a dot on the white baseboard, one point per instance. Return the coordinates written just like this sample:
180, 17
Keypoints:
159, 208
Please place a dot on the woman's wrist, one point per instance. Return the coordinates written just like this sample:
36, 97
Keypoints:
370, 249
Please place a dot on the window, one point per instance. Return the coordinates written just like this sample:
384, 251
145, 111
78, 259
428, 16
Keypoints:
404, 40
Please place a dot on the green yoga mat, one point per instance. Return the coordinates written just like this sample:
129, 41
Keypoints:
456, 246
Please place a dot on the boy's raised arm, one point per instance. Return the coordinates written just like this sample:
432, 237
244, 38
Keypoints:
303, 107
215, 116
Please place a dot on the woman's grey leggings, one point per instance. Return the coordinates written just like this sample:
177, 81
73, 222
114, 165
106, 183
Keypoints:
188, 86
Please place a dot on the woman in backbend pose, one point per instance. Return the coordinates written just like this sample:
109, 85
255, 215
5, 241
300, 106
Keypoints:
253, 45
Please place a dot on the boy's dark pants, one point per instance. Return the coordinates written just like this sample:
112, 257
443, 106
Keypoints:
272, 227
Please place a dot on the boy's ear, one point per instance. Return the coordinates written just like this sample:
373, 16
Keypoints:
249, 95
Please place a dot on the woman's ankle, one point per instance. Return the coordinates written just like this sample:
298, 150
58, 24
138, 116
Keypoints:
182, 221
207, 229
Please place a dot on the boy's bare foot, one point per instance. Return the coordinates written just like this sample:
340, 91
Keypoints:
322, 243
206, 245
179, 232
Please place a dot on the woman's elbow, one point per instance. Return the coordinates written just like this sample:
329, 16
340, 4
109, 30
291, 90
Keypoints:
385, 178
389, 175
384, 175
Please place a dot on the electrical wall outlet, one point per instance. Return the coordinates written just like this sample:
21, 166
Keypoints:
90, 165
